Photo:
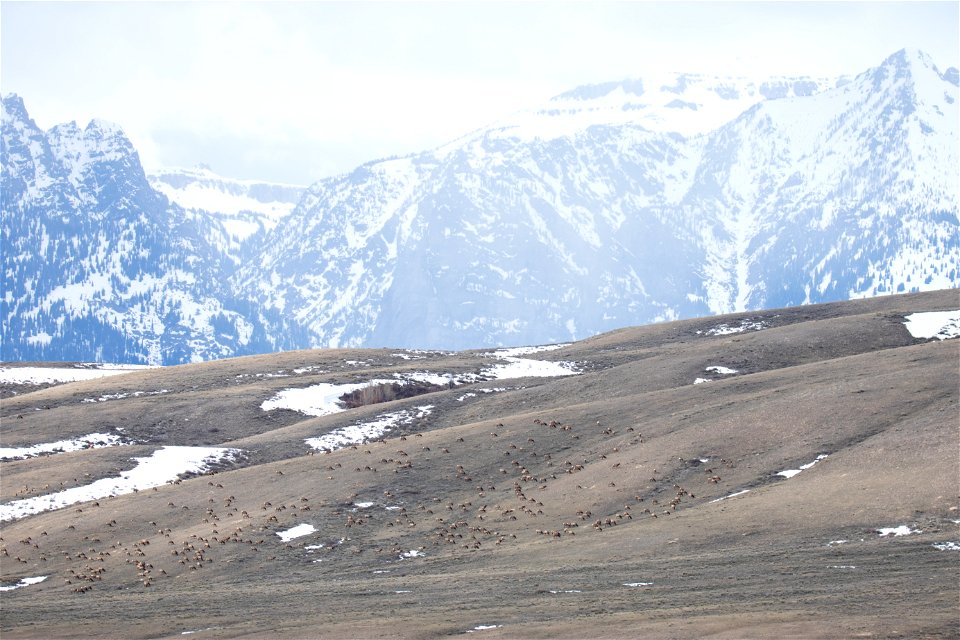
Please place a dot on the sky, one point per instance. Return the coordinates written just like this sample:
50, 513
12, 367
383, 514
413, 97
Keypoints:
296, 91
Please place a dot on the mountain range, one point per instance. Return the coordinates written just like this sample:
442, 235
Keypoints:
611, 205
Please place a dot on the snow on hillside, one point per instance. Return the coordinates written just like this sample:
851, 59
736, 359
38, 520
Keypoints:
201, 188
89, 441
162, 466
683, 103
324, 398
25, 582
233, 212
367, 430
56, 375
941, 325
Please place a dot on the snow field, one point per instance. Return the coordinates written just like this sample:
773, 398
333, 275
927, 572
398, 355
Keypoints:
902, 530
357, 433
296, 532
947, 546
726, 329
90, 441
789, 473
324, 398
316, 400
120, 396
941, 325
55, 375
162, 466
26, 582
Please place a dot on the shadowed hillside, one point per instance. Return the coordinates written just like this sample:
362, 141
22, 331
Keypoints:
788, 473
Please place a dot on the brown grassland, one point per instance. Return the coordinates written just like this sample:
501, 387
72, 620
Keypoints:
583, 506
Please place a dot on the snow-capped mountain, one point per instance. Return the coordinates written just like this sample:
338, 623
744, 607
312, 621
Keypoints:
848, 193
611, 205
577, 219
688, 104
99, 266
232, 212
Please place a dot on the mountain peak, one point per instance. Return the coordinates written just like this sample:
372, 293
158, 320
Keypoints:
13, 102
13, 108
910, 59
105, 128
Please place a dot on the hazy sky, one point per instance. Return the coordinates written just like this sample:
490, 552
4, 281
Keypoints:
295, 91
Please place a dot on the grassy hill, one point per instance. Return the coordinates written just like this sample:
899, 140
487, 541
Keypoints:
621, 501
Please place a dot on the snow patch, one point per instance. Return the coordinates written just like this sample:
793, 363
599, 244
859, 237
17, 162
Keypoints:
296, 532
473, 394
363, 431
324, 398
727, 329
309, 369
90, 441
947, 546
724, 371
25, 582
54, 375
941, 325
517, 367
316, 400
439, 379
120, 396
789, 473
162, 466
732, 495
902, 530
515, 352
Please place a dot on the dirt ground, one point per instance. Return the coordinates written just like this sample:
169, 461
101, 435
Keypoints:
625, 501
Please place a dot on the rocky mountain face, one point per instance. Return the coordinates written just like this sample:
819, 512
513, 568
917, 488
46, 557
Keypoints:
614, 204
234, 214
97, 265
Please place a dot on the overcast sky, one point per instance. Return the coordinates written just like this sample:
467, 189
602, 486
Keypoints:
296, 91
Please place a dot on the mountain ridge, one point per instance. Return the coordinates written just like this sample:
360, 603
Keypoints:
483, 168
529, 232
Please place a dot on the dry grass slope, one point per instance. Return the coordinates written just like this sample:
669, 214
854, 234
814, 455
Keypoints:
622, 502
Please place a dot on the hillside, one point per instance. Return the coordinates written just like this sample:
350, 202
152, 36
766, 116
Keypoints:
783, 473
